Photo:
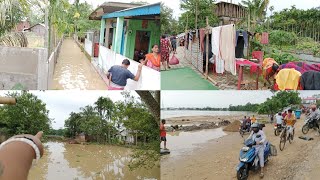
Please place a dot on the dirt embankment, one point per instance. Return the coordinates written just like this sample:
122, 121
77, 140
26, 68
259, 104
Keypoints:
217, 159
193, 123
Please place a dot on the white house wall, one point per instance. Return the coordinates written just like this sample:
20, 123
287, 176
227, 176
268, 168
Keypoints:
149, 79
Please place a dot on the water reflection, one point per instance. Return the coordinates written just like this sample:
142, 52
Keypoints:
72, 161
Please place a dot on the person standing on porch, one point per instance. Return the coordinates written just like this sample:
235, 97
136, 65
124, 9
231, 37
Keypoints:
153, 59
118, 75
165, 47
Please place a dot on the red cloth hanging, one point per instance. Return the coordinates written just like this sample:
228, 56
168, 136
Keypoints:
265, 38
202, 36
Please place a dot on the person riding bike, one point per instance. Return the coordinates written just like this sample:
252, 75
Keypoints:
279, 119
290, 120
259, 137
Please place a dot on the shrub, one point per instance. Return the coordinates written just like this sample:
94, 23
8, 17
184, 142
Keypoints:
282, 38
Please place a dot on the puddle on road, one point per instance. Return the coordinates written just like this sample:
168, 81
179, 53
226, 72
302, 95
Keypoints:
74, 70
181, 143
73, 161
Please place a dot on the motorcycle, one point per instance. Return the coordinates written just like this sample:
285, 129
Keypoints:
278, 129
310, 123
249, 160
243, 130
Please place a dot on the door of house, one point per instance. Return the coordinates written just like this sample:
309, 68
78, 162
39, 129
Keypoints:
142, 44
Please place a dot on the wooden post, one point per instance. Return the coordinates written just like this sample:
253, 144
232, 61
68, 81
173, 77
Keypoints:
248, 36
207, 47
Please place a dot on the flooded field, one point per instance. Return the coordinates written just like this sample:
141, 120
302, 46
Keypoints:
73, 161
74, 70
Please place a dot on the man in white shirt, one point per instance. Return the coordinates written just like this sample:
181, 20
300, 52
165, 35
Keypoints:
279, 118
259, 137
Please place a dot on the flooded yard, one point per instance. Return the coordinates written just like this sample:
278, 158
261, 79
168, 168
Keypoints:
73, 161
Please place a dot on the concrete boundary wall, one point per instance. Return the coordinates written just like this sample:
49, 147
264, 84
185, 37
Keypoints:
88, 46
27, 68
21, 66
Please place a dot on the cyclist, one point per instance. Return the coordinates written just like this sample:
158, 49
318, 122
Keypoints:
290, 120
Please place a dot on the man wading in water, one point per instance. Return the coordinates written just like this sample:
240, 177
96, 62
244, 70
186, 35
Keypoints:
118, 75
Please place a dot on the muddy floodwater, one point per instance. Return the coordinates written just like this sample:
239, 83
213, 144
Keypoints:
62, 161
182, 143
74, 70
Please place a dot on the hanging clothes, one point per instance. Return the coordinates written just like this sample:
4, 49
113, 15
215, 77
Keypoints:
244, 35
265, 38
202, 36
215, 41
258, 36
227, 47
186, 40
240, 47
204, 54
190, 36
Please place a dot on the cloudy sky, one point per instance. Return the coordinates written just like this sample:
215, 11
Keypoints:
217, 98
61, 103
175, 4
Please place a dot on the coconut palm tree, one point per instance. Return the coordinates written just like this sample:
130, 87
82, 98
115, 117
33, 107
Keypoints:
256, 10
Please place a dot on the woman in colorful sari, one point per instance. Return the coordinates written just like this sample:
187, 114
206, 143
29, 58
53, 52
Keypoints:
165, 51
153, 59
270, 68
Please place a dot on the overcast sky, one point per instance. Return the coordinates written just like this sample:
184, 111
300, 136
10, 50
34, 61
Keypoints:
217, 98
61, 103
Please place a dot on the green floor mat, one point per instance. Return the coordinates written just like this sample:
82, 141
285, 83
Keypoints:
184, 79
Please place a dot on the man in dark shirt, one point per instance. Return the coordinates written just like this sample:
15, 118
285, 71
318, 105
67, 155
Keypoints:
118, 75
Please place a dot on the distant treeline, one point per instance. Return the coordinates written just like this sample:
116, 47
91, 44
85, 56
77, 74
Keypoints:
272, 105
247, 107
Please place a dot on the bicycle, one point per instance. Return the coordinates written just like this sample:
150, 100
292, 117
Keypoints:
284, 137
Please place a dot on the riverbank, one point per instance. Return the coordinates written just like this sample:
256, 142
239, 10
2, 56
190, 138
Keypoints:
193, 123
219, 157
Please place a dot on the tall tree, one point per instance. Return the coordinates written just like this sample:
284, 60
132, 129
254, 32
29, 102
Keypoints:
152, 102
29, 115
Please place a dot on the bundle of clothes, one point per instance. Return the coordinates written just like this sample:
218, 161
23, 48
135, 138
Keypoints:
293, 75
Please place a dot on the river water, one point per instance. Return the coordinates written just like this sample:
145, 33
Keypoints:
63, 161
183, 143
180, 113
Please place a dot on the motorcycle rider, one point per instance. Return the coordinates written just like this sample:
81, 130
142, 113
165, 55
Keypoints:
315, 114
259, 137
290, 120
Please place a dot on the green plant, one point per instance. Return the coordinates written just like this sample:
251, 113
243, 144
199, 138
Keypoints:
281, 57
282, 38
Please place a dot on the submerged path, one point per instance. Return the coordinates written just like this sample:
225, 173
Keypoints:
74, 70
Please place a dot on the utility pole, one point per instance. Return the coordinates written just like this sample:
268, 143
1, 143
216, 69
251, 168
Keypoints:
46, 38
196, 23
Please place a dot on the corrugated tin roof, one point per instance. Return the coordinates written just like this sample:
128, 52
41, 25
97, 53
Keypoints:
150, 9
109, 7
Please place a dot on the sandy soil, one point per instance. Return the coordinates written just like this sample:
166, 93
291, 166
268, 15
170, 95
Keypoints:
74, 70
189, 120
218, 159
